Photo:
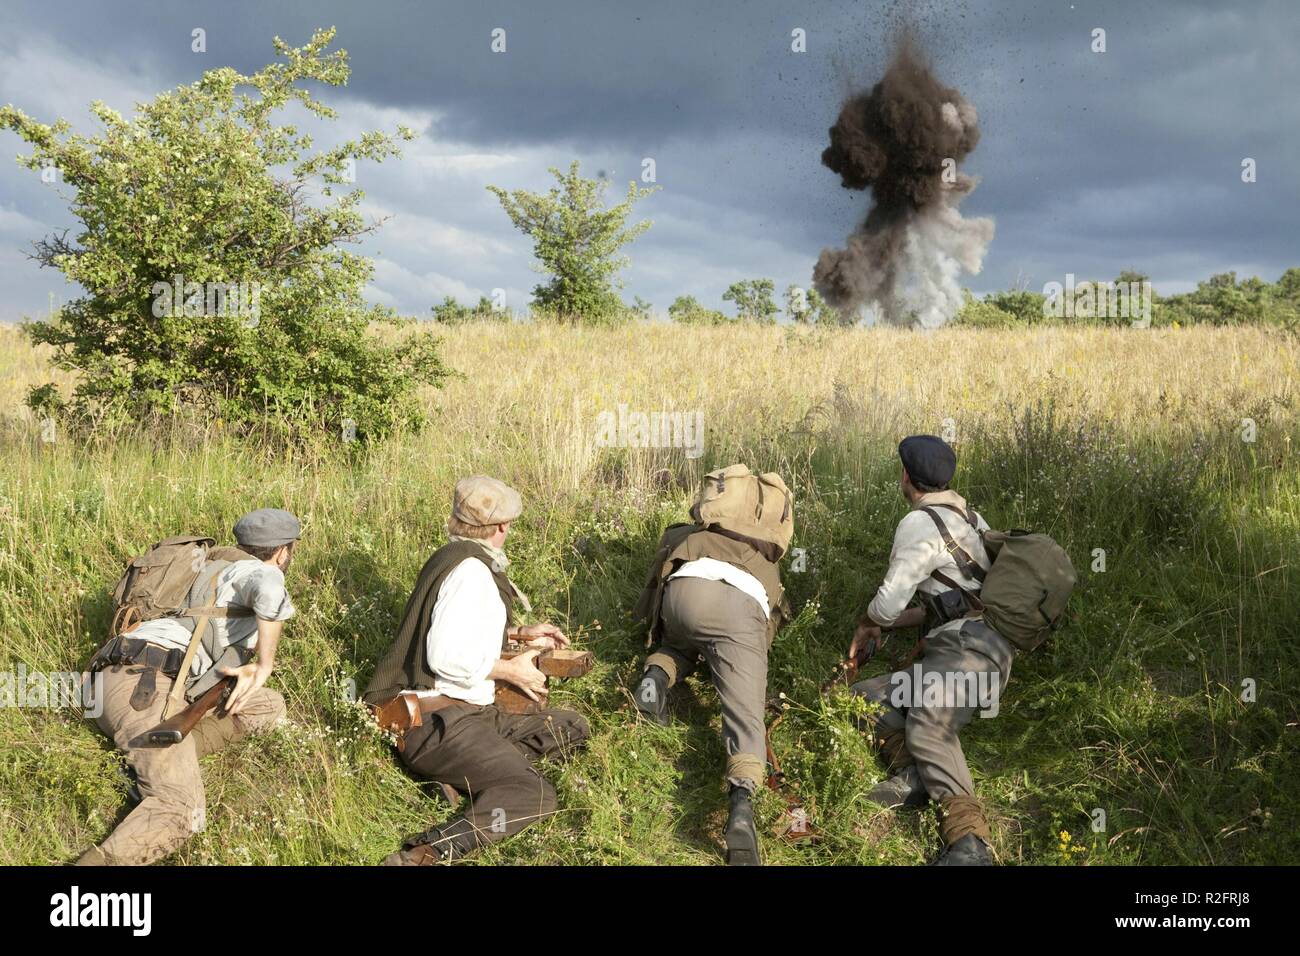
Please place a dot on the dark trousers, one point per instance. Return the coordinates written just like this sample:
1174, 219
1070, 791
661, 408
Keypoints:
488, 755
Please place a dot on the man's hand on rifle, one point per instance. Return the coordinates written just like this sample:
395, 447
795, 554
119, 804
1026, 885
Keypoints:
545, 636
522, 671
867, 640
253, 675
248, 680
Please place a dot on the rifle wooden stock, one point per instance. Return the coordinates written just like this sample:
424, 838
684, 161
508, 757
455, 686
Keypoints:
173, 729
553, 663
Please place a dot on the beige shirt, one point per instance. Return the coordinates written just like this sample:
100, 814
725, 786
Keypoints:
251, 584
919, 550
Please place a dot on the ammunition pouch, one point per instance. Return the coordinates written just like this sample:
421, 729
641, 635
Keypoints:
947, 606
125, 651
406, 711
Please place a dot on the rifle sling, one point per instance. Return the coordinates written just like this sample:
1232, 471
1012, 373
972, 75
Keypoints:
176, 697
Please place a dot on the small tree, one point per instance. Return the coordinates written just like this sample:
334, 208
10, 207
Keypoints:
214, 275
576, 240
450, 312
754, 299
687, 310
796, 304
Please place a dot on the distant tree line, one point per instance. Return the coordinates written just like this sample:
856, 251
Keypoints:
1219, 300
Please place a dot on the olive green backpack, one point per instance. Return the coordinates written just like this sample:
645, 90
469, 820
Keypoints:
1024, 592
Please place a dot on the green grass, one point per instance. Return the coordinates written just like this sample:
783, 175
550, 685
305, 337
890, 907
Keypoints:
1133, 708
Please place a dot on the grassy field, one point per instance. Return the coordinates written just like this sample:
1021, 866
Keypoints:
1126, 442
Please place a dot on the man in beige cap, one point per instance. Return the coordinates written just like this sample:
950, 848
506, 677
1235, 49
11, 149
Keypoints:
448, 651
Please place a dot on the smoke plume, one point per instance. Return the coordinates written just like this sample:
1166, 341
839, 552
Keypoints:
907, 256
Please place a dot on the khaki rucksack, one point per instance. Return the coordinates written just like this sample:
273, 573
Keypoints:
756, 506
1024, 592
158, 583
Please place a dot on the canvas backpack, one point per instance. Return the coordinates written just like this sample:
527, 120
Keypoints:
159, 582
739, 501
1024, 592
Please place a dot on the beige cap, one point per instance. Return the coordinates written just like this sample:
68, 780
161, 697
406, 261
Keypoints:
480, 500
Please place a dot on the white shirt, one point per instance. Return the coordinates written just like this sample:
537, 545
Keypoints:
919, 550
712, 569
464, 638
251, 584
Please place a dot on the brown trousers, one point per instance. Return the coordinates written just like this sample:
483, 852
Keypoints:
173, 806
489, 756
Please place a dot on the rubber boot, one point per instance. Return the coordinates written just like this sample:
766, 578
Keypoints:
903, 789
741, 835
651, 695
970, 850
133, 793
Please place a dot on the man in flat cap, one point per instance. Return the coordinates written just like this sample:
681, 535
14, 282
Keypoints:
938, 556
448, 652
244, 587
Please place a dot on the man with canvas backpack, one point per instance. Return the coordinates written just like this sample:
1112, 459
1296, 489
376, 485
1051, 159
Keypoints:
189, 614
983, 596
714, 592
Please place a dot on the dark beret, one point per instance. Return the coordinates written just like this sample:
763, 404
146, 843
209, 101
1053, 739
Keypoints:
928, 459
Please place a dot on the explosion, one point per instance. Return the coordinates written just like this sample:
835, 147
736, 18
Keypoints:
904, 140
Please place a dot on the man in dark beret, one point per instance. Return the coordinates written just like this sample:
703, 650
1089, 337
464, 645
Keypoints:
938, 557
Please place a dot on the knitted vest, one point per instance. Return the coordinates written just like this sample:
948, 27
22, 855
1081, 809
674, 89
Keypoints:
405, 666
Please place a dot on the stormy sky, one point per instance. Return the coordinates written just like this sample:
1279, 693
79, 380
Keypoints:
1090, 163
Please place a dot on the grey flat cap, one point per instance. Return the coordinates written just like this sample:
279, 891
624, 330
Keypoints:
267, 528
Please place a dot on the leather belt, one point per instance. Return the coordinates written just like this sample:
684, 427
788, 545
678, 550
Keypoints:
403, 713
128, 651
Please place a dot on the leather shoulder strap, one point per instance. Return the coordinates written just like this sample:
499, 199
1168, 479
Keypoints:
965, 563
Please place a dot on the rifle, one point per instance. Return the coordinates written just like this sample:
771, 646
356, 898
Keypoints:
797, 826
561, 663
174, 728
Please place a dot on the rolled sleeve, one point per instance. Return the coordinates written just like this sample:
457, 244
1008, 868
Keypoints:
263, 591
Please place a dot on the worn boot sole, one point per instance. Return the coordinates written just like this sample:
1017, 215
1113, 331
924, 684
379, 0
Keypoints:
742, 847
892, 799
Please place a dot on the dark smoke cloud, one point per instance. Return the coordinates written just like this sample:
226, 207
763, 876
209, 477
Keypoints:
906, 257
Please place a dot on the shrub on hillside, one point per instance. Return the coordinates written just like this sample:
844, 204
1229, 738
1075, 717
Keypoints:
210, 250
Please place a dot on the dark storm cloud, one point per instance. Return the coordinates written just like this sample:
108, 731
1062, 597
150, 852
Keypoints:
1090, 163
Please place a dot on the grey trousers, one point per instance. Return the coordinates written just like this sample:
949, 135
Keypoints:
729, 629
932, 701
